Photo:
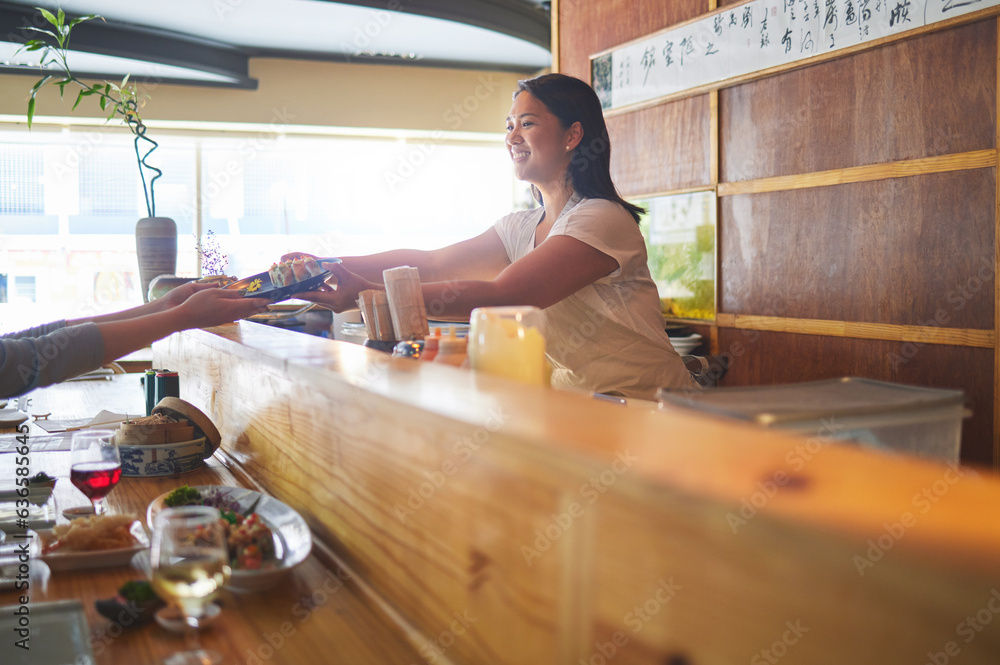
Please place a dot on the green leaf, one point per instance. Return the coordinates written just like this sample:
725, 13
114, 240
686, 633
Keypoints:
88, 17
104, 103
31, 110
125, 80
62, 17
62, 87
32, 28
79, 98
48, 16
38, 84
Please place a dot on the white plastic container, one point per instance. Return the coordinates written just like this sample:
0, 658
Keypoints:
907, 419
353, 332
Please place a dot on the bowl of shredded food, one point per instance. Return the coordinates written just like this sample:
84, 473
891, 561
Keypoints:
175, 438
266, 538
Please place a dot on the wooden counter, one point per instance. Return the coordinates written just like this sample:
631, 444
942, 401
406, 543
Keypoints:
317, 610
515, 524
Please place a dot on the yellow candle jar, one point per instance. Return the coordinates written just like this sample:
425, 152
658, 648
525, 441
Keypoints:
509, 342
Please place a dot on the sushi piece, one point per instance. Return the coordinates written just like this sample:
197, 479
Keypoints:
296, 270
299, 270
313, 267
281, 274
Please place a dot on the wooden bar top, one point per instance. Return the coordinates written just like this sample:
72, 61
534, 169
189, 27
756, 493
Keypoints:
318, 610
553, 519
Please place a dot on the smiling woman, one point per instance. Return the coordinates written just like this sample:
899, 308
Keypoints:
580, 257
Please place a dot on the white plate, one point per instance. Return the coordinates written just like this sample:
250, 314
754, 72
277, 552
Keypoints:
694, 337
60, 560
76, 512
293, 541
59, 634
683, 345
12, 417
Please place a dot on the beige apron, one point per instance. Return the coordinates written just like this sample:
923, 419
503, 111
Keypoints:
589, 351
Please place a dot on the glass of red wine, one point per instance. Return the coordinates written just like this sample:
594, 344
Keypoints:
96, 465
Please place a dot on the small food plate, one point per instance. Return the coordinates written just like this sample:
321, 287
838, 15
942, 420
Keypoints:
59, 634
36, 495
292, 539
59, 561
76, 512
12, 417
282, 311
170, 618
260, 286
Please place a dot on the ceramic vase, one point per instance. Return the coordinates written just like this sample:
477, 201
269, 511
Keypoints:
156, 250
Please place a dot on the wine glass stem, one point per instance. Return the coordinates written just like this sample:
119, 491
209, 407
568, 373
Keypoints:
98, 506
191, 633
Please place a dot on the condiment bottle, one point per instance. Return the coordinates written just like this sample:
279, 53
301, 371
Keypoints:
167, 385
451, 349
431, 344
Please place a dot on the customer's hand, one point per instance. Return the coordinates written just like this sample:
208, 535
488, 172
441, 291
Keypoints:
179, 294
344, 295
213, 306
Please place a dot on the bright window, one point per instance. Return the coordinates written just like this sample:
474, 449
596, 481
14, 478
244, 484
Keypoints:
70, 199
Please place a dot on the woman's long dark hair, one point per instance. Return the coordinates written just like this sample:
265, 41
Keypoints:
572, 100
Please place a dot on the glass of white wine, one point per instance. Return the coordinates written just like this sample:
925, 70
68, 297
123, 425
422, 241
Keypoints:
190, 562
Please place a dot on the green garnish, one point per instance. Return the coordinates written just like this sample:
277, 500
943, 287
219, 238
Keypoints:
183, 496
229, 516
137, 591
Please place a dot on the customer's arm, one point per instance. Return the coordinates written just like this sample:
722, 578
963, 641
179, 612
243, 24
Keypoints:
168, 301
32, 362
206, 308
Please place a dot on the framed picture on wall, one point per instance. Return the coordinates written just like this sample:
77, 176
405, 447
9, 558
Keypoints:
680, 240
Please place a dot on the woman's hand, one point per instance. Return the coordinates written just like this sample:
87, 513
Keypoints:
344, 295
214, 306
291, 256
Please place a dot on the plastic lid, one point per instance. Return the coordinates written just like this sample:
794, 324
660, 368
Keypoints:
795, 402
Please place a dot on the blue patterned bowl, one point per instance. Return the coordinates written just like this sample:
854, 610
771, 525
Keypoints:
165, 459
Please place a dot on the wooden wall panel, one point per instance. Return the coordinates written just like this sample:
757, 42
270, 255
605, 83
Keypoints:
891, 251
914, 251
927, 96
765, 358
649, 154
587, 27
